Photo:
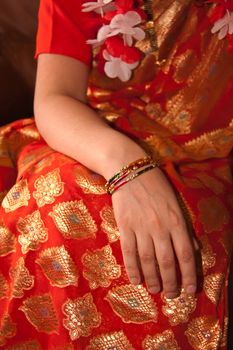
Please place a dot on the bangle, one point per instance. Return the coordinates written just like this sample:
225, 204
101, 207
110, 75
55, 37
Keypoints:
130, 172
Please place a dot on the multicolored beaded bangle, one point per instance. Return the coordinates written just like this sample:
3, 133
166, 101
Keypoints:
129, 172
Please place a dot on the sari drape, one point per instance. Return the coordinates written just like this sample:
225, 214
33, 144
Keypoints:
63, 282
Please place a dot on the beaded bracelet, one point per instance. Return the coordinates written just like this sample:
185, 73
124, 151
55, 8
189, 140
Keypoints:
130, 172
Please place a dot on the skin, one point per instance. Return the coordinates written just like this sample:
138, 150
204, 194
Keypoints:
152, 230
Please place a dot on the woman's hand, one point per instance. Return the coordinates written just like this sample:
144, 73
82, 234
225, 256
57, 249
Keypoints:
152, 228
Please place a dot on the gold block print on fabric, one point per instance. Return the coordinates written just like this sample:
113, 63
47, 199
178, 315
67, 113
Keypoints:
3, 286
109, 225
58, 266
7, 329
73, 220
100, 267
208, 257
161, 341
89, 181
7, 241
33, 231
81, 316
48, 187
40, 312
17, 197
28, 345
133, 304
204, 333
111, 341
179, 309
213, 286
21, 279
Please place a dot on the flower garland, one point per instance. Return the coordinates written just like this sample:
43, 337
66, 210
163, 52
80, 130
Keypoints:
120, 31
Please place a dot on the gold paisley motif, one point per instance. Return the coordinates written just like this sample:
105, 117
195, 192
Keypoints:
100, 267
73, 220
208, 257
7, 241
28, 345
89, 181
7, 329
81, 316
48, 187
213, 285
40, 312
109, 225
133, 304
21, 279
3, 287
212, 214
160, 341
204, 333
58, 267
33, 232
17, 197
179, 309
111, 341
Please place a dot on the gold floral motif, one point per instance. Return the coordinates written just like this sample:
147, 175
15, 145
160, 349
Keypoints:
3, 286
210, 182
48, 187
89, 181
109, 225
28, 345
165, 340
111, 341
204, 333
21, 279
40, 312
226, 240
7, 241
73, 220
17, 197
179, 309
133, 304
7, 329
58, 266
213, 285
33, 231
208, 257
100, 267
81, 316
212, 214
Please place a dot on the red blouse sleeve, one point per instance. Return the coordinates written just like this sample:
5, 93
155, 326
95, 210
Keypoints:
63, 29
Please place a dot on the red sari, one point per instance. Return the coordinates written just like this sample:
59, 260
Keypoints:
63, 282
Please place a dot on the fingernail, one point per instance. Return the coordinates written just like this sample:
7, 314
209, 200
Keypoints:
154, 290
171, 295
191, 289
135, 280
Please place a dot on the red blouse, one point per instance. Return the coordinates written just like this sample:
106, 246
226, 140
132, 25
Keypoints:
63, 29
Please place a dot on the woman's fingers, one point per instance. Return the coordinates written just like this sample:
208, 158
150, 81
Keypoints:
129, 249
166, 261
148, 262
185, 254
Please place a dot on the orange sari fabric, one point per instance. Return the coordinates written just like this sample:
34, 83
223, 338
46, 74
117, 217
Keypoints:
63, 282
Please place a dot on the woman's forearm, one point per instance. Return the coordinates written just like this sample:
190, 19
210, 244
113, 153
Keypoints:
73, 128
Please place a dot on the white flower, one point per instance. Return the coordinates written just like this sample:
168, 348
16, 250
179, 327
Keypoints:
116, 68
121, 24
224, 25
99, 6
